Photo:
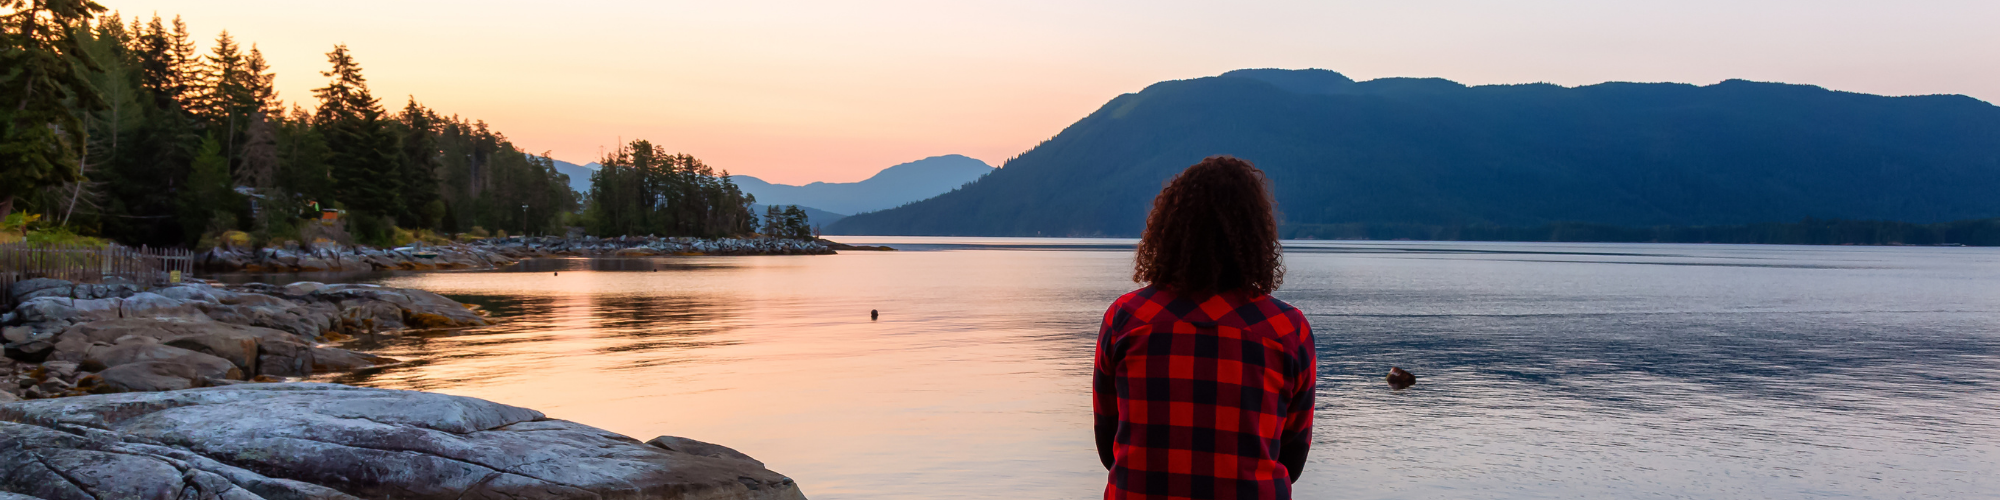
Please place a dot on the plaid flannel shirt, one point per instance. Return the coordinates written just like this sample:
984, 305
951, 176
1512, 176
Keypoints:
1205, 395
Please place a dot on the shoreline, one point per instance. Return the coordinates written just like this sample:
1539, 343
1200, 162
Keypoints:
491, 253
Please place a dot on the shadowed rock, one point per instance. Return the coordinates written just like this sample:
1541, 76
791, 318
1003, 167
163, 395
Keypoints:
251, 350
700, 448
203, 366
332, 441
148, 376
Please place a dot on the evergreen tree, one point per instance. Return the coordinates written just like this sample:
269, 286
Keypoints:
796, 226
418, 170
223, 84
362, 149
209, 205
302, 155
43, 95
231, 93
111, 128
258, 162
774, 221
143, 184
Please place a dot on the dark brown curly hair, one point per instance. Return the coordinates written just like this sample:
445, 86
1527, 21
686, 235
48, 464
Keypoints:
1212, 231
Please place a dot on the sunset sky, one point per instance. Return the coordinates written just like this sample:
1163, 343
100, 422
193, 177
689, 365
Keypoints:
796, 92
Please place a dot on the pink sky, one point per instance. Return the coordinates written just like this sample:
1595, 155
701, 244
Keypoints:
796, 92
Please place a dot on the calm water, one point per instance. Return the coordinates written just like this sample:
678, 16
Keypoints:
1547, 370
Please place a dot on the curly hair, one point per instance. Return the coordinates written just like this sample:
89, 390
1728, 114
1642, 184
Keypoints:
1212, 231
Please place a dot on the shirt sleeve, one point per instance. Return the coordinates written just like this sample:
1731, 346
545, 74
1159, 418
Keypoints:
1103, 390
1299, 409
1103, 386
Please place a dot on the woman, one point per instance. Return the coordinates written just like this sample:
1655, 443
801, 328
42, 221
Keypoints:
1203, 385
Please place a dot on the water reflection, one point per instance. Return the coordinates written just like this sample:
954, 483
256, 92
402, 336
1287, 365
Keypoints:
585, 324
1550, 370
609, 264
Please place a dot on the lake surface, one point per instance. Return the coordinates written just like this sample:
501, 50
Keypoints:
1546, 370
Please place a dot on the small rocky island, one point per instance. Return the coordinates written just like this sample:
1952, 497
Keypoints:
189, 391
493, 252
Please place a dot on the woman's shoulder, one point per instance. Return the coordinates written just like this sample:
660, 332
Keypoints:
1278, 305
1291, 318
1140, 297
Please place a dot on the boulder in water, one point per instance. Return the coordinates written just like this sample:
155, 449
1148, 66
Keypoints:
1400, 379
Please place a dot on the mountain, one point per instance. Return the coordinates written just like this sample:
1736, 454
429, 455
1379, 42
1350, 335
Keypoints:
1346, 156
892, 187
579, 175
814, 216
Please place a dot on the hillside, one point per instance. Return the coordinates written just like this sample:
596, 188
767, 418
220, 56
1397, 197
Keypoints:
1405, 152
889, 188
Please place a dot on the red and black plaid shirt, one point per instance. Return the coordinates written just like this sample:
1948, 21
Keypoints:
1205, 396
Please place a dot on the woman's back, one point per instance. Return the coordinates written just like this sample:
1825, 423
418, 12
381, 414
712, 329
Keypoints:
1203, 385
1205, 396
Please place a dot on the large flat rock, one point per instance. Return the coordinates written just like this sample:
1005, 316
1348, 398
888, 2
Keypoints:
306, 440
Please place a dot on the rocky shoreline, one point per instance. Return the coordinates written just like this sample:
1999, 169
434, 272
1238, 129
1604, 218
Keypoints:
487, 253
330, 441
68, 339
114, 391
645, 246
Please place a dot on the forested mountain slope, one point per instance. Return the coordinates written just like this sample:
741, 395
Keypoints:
1430, 152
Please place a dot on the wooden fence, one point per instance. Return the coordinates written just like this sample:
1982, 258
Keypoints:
87, 264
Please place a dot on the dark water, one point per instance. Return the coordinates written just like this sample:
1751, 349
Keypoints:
1547, 370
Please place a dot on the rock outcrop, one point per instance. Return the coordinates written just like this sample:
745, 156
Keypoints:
122, 339
306, 309
327, 441
296, 258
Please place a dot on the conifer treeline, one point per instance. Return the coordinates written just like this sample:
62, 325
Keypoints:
129, 132
640, 189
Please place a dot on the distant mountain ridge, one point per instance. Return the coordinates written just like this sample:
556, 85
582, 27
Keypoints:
579, 175
1426, 152
889, 188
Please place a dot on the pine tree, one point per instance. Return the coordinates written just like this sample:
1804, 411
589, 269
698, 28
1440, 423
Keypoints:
418, 170
262, 82
774, 221
795, 223
302, 155
154, 51
185, 62
209, 204
149, 175
112, 129
363, 153
228, 96
43, 95
258, 165
223, 82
